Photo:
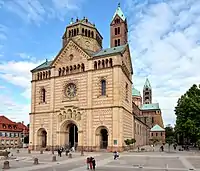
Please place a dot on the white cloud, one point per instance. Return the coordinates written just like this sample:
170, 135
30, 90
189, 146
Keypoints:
13, 110
37, 12
164, 38
18, 74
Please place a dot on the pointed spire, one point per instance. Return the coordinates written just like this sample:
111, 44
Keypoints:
147, 84
119, 13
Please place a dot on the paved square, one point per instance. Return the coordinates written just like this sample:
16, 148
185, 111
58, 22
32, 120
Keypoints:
132, 161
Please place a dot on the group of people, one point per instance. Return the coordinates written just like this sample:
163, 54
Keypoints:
91, 163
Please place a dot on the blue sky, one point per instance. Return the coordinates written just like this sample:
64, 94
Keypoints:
163, 36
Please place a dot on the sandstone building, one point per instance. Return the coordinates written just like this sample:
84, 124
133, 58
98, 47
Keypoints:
150, 113
83, 98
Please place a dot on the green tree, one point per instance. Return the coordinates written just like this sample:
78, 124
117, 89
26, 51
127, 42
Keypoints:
169, 131
188, 115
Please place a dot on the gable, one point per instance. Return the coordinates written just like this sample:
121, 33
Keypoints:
71, 53
157, 128
127, 59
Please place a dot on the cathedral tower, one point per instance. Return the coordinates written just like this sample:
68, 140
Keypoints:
118, 29
85, 34
147, 93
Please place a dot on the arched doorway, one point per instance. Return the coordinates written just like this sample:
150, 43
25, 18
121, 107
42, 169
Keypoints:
42, 137
103, 139
73, 135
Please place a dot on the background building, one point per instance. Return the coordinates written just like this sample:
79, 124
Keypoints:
12, 133
149, 113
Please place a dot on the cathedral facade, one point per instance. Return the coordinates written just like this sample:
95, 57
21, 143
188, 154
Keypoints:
83, 98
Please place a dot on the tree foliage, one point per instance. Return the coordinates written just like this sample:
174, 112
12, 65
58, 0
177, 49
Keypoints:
188, 115
169, 131
130, 141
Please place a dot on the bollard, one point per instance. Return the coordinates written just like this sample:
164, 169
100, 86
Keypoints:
41, 151
36, 161
29, 151
82, 153
17, 151
6, 165
70, 155
54, 158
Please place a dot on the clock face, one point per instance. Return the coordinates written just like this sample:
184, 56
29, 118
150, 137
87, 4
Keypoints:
71, 90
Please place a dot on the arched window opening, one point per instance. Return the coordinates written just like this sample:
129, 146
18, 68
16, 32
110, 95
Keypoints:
44, 75
99, 64
103, 87
79, 66
38, 76
103, 64
83, 31
106, 62
82, 67
67, 70
126, 91
111, 62
70, 68
92, 34
74, 67
43, 95
59, 72
115, 43
77, 31
69, 33
115, 31
74, 32
88, 33
49, 73
118, 42
95, 65
118, 30
63, 71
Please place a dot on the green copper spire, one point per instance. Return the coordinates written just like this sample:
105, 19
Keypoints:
119, 13
147, 84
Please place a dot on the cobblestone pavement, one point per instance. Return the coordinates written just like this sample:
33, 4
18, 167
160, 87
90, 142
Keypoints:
128, 161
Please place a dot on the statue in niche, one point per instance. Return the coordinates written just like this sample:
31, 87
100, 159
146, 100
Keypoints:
78, 116
74, 115
64, 115
69, 114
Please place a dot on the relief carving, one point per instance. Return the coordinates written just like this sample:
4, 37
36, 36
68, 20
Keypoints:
69, 114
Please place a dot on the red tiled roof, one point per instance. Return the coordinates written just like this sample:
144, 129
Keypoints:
14, 127
4, 120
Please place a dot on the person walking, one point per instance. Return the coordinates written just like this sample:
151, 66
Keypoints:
93, 164
90, 161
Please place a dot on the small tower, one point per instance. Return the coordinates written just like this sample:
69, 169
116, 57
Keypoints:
84, 33
118, 29
147, 93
